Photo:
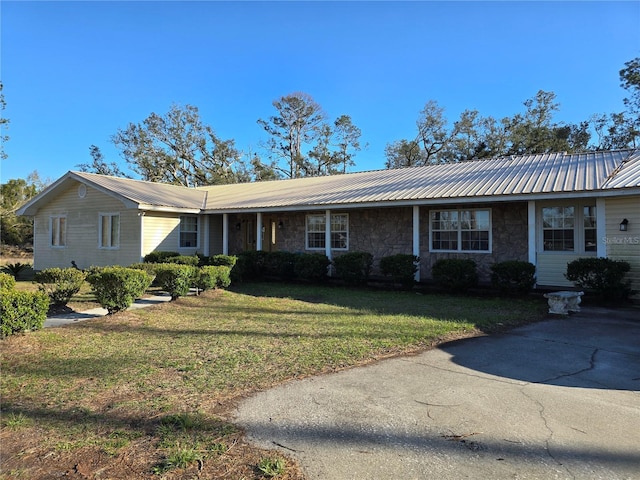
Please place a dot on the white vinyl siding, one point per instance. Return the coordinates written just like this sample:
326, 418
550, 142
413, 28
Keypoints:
624, 245
339, 231
82, 231
460, 230
109, 230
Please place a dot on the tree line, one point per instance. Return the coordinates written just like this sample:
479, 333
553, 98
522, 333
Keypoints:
179, 148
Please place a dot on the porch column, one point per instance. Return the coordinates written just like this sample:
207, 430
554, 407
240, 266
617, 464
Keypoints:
416, 238
141, 215
259, 231
206, 237
531, 230
601, 228
225, 234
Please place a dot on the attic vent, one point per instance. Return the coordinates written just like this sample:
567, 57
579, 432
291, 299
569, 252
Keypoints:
82, 190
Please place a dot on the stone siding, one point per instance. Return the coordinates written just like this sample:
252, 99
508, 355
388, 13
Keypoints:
388, 231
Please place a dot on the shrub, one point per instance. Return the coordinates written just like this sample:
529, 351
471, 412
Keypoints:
249, 266
455, 274
22, 311
7, 282
213, 276
192, 260
513, 277
311, 267
159, 256
602, 276
60, 283
354, 267
116, 288
401, 268
279, 265
223, 260
15, 269
175, 279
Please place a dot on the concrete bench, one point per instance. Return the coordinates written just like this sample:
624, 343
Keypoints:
564, 302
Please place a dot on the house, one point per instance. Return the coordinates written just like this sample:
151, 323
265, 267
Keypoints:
548, 209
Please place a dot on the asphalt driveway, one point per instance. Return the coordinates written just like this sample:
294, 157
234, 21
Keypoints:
557, 399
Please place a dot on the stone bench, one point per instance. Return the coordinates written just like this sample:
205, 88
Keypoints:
564, 302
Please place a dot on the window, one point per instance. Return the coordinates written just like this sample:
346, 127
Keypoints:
109, 230
569, 228
589, 218
316, 239
188, 231
58, 231
461, 230
557, 228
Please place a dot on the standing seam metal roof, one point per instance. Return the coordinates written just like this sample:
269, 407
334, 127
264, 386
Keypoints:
490, 179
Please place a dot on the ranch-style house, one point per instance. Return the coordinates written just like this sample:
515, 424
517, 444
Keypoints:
548, 209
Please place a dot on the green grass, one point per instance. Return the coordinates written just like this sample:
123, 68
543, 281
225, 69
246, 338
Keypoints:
108, 381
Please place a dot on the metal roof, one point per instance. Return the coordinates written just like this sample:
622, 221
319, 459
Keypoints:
489, 180
478, 179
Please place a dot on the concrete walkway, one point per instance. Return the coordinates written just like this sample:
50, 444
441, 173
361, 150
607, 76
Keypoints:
557, 399
72, 317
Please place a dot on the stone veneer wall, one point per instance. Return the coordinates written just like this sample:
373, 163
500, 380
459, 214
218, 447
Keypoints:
388, 231
509, 239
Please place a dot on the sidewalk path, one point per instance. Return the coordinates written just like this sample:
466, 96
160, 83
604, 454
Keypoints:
72, 317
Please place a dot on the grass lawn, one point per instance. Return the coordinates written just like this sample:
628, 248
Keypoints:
147, 393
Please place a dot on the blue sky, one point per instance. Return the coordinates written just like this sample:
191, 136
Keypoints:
76, 72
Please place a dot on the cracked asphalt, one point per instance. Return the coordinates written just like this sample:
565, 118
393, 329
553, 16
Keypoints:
557, 399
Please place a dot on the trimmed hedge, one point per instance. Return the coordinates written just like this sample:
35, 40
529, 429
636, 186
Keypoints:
513, 277
192, 260
159, 256
60, 283
7, 281
312, 267
354, 267
175, 279
401, 268
116, 288
213, 276
603, 276
455, 274
223, 260
22, 311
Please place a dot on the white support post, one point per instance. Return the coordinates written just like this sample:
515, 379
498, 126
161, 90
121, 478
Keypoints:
531, 229
259, 231
601, 228
416, 238
142, 254
225, 234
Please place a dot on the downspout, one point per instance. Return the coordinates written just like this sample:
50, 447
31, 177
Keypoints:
207, 237
259, 231
327, 238
601, 228
225, 234
416, 238
532, 233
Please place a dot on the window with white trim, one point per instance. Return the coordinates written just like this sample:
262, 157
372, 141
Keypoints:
569, 228
188, 231
109, 230
58, 228
339, 233
460, 230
